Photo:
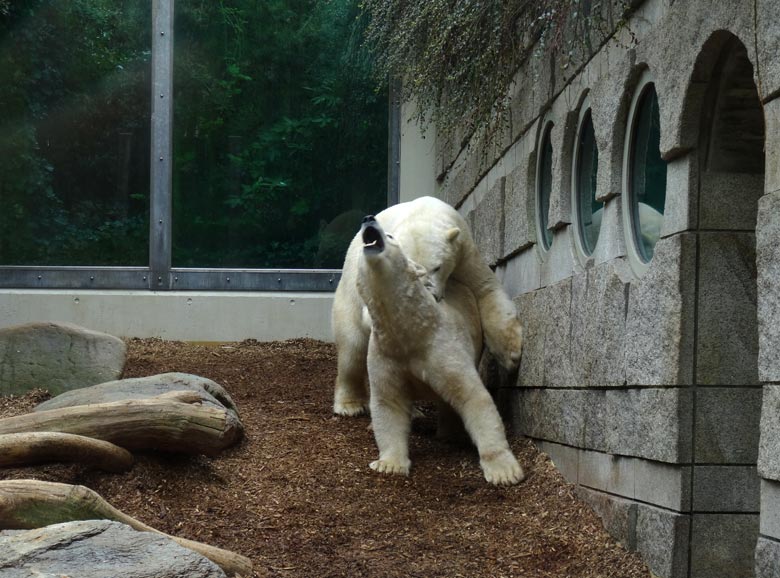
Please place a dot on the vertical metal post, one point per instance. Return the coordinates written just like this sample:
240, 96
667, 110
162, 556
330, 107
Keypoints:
394, 144
160, 222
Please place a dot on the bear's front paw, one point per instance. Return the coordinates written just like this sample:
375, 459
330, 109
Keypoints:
508, 345
391, 467
501, 469
350, 408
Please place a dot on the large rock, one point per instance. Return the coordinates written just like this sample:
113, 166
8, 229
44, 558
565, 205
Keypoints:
57, 357
144, 387
98, 549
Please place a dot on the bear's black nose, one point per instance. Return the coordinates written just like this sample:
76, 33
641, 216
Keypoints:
368, 219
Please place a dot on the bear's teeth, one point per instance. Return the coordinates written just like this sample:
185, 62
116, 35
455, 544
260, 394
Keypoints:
371, 244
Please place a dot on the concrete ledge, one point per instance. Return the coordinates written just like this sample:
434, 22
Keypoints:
664, 485
186, 316
660, 536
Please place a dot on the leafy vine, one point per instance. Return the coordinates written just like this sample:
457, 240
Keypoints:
459, 58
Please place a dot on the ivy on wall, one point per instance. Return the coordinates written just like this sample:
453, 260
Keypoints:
459, 58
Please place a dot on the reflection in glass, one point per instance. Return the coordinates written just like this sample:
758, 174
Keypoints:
544, 187
647, 176
280, 138
590, 210
74, 132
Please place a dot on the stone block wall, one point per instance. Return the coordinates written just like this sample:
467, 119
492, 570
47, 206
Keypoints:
655, 390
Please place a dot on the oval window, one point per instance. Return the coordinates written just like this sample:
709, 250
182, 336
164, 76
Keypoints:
589, 210
647, 176
544, 187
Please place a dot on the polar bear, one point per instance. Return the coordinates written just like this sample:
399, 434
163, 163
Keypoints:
421, 348
434, 235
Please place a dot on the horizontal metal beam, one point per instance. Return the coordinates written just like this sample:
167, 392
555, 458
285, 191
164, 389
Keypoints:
31, 277
255, 279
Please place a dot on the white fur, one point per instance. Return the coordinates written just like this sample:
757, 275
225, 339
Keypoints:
421, 348
434, 236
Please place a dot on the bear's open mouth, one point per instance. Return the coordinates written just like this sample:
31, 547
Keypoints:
372, 240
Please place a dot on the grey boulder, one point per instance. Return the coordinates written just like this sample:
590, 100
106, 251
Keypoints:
98, 549
57, 357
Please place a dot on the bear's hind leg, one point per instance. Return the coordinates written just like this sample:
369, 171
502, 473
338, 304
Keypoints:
464, 391
350, 397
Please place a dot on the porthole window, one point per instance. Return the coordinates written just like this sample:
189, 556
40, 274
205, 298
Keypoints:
544, 187
644, 175
588, 210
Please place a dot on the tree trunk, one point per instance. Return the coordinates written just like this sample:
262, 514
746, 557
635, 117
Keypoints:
174, 421
37, 447
28, 504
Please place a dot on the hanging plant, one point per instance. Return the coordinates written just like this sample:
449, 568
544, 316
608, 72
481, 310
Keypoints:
458, 58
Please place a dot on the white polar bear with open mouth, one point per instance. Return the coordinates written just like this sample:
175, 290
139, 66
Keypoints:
435, 236
421, 348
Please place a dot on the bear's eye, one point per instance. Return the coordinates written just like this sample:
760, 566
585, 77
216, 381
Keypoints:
436, 269
389, 236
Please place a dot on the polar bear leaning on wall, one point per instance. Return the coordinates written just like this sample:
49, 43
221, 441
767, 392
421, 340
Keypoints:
421, 348
435, 236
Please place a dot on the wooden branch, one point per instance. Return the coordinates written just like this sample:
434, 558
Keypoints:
174, 421
28, 504
38, 447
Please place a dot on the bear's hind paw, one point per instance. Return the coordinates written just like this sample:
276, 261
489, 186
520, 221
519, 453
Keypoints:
350, 408
502, 469
390, 467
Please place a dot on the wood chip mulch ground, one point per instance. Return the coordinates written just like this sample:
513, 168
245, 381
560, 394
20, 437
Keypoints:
298, 498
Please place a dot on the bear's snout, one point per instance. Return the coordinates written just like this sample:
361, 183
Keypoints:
369, 219
373, 238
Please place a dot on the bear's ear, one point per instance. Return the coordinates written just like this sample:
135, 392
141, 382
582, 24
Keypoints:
452, 234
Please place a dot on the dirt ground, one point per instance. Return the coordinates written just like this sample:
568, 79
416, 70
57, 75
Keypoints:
297, 496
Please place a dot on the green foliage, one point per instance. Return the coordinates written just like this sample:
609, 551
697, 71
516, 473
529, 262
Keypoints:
459, 58
72, 75
277, 131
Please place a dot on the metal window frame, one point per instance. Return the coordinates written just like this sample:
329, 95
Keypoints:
160, 275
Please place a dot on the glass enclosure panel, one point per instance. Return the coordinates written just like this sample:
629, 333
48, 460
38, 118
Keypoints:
280, 138
74, 132
590, 210
648, 175
544, 187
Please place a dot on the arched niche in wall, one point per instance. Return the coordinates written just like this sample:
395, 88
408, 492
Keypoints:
730, 159
723, 106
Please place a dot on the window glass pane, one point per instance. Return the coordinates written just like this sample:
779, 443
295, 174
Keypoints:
280, 138
648, 175
590, 210
545, 187
74, 132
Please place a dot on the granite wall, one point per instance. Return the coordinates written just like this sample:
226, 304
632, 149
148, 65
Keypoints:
655, 389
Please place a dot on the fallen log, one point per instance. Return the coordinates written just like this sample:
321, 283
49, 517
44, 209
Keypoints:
38, 447
28, 504
174, 421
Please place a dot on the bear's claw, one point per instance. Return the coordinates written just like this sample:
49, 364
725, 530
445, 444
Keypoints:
390, 467
350, 408
502, 469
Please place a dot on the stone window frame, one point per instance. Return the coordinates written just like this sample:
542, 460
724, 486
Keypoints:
585, 109
638, 265
545, 132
